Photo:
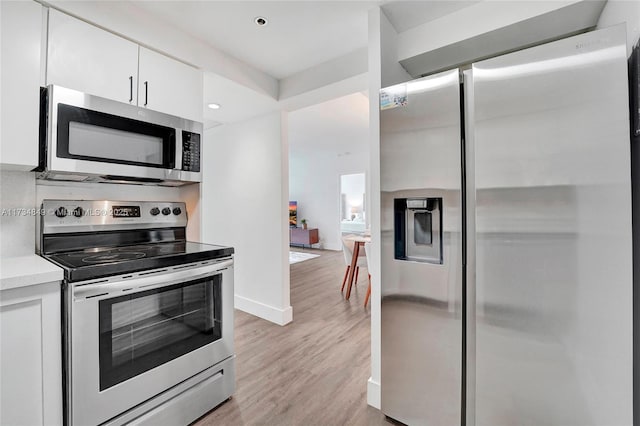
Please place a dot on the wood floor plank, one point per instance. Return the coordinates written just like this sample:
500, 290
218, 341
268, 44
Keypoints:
313, 371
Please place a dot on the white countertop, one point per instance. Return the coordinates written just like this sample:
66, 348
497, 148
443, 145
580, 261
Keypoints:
22, 271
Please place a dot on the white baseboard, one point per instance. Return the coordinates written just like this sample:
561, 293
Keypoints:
261, 310
373, 393
332, 246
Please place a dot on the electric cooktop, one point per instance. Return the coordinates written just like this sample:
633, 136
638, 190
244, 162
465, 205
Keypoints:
91, 263
92, 239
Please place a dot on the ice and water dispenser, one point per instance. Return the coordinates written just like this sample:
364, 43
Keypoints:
418, 229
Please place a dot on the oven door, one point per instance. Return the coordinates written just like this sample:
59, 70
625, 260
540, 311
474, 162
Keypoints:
132, 339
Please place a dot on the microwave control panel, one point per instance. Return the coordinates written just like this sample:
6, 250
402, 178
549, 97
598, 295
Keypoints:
190, 151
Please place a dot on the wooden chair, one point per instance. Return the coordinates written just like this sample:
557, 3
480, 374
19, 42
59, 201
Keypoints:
367, 250
347, 251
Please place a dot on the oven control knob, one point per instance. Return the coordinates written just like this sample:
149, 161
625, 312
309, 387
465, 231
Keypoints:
78, 212
61, 212
155, 211
166, 211
177, 211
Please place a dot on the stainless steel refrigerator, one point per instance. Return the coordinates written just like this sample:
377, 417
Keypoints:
506, 240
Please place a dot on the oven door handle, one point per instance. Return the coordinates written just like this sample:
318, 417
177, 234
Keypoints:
161, 278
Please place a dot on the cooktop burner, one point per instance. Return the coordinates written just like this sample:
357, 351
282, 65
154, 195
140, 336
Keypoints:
113, 256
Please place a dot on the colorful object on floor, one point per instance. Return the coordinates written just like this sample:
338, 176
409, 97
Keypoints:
295, 257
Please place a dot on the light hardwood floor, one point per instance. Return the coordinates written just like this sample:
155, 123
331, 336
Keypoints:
313, 371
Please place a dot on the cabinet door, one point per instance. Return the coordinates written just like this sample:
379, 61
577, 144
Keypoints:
31, 364
91, 60
169, 86
21, 29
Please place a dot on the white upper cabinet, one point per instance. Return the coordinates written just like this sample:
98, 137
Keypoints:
91, 60
21, 52
169, 86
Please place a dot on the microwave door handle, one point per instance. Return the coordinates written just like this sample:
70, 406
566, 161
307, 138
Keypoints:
179, 161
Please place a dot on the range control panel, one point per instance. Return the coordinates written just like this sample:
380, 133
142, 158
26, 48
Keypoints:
73, 215
190, 151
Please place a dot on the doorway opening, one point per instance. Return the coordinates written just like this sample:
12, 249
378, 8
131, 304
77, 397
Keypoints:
352, 204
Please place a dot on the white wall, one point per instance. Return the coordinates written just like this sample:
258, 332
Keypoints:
353, 184
326, 140
378, 22
245, 205
623, 11
338, 69
392, 71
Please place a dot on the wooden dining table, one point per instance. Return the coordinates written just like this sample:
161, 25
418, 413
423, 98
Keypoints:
358, 241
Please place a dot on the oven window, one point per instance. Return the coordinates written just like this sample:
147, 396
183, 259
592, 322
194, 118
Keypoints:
141, 331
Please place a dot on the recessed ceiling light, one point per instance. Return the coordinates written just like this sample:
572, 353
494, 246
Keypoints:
214, 106
261, 21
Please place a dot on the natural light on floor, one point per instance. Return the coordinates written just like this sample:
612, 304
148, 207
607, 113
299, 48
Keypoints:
295, 257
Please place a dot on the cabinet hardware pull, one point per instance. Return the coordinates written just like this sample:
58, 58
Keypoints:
130, 88
146, 93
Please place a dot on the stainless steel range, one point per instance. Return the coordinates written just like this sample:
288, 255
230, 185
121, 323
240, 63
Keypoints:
148, 316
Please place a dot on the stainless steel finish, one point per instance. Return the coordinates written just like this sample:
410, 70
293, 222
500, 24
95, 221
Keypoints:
91, 406
98, 216
67, 356
635, 184
470, 245
185, 402
179, 151
421, 302
106, 288
58, 168
553, 234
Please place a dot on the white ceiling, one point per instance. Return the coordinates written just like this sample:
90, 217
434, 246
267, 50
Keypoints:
405, 15
340, 126
237, 102
300, 34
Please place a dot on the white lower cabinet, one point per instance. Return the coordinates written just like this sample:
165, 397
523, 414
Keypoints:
31, 360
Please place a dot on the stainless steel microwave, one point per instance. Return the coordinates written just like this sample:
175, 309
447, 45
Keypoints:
88, 138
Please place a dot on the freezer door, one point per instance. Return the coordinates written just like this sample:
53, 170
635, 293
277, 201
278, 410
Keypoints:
553, 247
420, 160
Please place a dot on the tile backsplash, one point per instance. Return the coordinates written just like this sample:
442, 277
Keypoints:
21, 196
18, 215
